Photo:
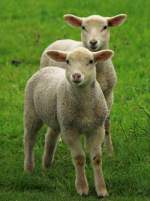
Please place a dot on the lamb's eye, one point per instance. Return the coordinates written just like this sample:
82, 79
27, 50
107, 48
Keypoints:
105, 27
83, 27
91, 61
67, 61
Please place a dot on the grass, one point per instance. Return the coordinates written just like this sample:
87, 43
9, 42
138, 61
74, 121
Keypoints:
27, 27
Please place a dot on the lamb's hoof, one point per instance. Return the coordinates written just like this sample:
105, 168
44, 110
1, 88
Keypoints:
46, 165
102, 193
82, 189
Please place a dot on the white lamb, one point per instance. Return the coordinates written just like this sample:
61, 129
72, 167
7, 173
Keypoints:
70, 102
94, 36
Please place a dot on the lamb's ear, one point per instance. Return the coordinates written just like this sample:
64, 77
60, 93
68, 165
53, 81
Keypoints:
73, 20
57, 55
117, 20
103, 55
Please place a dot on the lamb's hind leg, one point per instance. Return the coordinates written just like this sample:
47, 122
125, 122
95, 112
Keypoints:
51, 139
108, 140
31, 126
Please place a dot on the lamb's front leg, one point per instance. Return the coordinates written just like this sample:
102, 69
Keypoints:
72, 139
94, 142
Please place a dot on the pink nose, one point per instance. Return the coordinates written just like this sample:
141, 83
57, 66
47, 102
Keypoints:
76, 76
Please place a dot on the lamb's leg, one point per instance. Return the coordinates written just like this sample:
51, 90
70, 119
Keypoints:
50, 147
73, 141
108, 140
31, 126
94, 146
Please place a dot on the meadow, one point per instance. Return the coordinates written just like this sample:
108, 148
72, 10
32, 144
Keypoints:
26, 28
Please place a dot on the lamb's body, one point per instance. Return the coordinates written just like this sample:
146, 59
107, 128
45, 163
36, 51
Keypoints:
70, 101
61, 107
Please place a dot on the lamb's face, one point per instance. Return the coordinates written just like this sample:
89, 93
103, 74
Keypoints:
80, 70
80, 64
95, 29
94, 32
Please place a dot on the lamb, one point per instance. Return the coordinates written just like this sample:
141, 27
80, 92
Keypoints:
94, 36
70, 101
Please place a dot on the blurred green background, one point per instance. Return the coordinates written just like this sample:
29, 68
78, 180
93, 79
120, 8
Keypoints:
26, 28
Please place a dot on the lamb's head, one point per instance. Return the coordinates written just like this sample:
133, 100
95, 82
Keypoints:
95, 29
81, 64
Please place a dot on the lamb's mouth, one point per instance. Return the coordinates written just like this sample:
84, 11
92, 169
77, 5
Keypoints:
95, 48
77, 81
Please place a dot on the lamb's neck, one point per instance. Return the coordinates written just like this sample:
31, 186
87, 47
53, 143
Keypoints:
101, 65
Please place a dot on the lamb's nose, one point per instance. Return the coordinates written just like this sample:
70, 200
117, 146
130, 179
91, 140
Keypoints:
76, 77
93, 42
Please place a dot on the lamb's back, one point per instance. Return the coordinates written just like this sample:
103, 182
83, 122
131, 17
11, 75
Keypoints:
62, 45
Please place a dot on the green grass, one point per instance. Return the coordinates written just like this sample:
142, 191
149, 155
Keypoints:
26, 28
